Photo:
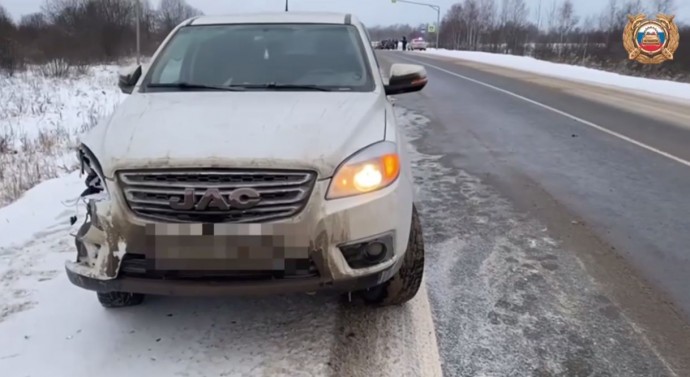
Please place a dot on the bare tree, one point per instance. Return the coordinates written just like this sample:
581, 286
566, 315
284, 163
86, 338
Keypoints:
513, 21
470, 18
630, 7
553, 16
487, 17
513, 12
596, 41
608, 21
539, 14
520, 12
10, 60
608, 17
588, 25
173, 12
663, 6
452, 27
566, 22
503, 14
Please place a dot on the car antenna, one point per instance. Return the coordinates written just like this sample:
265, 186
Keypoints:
286, 5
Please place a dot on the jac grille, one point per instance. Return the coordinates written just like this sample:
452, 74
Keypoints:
157, 194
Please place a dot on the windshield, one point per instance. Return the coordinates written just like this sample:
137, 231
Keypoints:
263, 57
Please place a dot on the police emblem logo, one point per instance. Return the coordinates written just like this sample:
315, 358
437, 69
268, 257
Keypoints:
651, 41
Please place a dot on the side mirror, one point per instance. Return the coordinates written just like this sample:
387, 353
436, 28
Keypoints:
406, 78
128, 78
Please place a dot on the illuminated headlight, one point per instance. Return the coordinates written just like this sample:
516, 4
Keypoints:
368, 170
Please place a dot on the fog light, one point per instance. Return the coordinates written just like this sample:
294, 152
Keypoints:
369, 252
375, 250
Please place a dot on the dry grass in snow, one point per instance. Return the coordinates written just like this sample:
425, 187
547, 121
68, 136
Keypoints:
41, 118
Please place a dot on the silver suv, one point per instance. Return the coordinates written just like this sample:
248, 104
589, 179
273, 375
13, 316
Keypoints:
257, 153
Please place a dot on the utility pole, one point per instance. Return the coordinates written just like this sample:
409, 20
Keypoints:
138, 12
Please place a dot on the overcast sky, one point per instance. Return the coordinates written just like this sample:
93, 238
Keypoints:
371, 12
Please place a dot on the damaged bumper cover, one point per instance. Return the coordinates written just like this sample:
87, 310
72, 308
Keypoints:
300, 254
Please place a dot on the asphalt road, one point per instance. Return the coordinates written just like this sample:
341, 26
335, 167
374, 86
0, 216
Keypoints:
556, 220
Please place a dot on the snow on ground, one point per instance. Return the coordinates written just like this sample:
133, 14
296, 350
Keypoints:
40, 119
664, 88
48, 327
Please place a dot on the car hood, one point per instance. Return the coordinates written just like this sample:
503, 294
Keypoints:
277, 130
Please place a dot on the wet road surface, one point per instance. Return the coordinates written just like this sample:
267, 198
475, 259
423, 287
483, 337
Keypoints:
555, 249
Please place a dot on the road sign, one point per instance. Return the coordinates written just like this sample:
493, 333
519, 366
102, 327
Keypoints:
431, 28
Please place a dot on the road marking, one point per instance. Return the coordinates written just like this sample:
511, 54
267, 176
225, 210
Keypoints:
560, 112
629, 320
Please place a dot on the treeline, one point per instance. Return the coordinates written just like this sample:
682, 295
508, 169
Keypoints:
80, 32
552, 30
397, 31
75, 33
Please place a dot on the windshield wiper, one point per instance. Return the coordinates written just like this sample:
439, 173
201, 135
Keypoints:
186, 85
276, 86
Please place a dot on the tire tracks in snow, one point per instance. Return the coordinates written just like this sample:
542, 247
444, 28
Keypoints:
23, 268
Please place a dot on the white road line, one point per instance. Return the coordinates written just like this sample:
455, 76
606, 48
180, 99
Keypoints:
429, 358
635, 327
563, 113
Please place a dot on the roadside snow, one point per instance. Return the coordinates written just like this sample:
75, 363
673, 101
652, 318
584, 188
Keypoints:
664, 88
40, 209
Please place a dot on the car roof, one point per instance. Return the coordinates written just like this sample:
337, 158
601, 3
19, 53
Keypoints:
276, 17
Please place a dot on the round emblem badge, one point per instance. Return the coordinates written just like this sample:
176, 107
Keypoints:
651, 41
650, 37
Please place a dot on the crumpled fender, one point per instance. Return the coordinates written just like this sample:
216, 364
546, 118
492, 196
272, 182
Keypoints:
100, 244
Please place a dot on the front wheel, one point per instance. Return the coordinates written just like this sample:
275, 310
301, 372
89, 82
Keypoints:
406, 282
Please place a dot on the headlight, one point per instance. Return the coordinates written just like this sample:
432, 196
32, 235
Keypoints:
370, 169
95, 180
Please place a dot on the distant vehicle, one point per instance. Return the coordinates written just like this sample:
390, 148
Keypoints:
376, 44
418, 44
387, 44
263, 160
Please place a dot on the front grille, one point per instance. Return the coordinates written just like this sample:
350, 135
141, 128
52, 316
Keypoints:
149, 194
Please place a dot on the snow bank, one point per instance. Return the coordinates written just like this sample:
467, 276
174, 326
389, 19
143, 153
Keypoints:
45, 206
640, 85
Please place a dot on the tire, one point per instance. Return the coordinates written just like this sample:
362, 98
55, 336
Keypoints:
404, 285
119, 299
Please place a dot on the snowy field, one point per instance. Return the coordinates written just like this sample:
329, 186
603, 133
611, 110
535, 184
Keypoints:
40, 119
656, 88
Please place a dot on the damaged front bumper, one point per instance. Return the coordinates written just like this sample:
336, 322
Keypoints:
118, 251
